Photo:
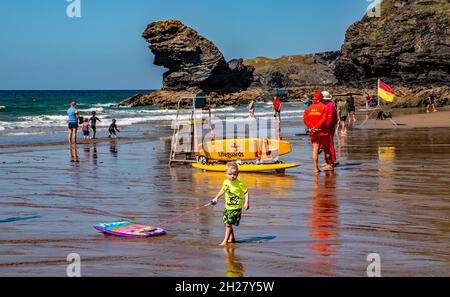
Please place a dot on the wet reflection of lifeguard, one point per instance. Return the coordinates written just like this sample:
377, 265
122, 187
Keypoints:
233, 266
323, 222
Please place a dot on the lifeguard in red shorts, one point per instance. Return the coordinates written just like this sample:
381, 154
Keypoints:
315, 119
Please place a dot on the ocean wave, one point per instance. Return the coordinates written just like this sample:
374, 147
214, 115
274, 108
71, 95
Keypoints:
104, 104
160, 117
99, 109
2, 107
26, 133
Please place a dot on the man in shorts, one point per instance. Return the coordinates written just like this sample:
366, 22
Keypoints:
351, 110
72, 112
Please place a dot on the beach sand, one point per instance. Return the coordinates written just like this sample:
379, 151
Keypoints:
389, 196
439, 119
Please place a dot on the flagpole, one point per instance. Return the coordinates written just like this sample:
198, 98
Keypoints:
378, 92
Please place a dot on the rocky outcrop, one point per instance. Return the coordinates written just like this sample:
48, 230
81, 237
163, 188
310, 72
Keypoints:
405, 96
169, 99
194, 61
408, 45
294, 71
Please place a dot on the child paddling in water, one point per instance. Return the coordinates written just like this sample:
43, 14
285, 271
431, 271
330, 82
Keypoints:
112, 129
234, 191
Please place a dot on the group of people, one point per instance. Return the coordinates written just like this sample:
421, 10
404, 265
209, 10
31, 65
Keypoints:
276, 108
86, 124
323, 118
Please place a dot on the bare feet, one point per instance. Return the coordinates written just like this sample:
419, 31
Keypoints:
223, 243
317, 171
324, 164
328, 168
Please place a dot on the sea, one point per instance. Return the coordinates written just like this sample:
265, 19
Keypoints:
41, 116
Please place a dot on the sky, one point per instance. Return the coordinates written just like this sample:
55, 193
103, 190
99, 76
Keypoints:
41, 48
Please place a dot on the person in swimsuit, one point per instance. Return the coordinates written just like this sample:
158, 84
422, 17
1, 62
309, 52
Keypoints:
234, 191
113, 128
85, 129
93, 121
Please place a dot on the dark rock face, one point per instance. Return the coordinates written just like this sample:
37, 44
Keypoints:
294, 71
409, 44
193, 61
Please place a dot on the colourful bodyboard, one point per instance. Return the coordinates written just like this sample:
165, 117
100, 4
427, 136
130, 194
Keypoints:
128, 229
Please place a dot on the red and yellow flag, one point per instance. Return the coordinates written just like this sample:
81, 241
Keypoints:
385, 92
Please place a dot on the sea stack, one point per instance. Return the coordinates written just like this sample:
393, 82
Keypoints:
194, 61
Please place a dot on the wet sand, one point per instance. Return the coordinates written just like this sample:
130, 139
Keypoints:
389, 196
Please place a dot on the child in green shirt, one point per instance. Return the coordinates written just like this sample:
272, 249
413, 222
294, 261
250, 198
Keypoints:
234, 190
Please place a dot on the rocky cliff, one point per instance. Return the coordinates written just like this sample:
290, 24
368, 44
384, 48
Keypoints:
193, 61
409, 44
294, 71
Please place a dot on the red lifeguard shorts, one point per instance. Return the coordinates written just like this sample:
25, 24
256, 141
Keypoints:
321, 139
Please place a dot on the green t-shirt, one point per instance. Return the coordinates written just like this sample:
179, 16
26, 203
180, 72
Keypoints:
234, 192
342, 109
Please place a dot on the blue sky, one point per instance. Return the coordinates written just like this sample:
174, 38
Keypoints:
42, 49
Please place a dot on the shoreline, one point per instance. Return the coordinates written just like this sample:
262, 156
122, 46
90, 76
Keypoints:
416, 120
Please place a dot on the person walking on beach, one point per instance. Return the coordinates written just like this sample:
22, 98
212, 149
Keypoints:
251, 109
85, 128
113, 128
351, 110
93, 121
72, 112
234, 191
367, 99
431, 103
331, 123
277, 108
315, 119
342, 110
306, 102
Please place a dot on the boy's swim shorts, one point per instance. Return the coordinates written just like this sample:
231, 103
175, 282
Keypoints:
232, 216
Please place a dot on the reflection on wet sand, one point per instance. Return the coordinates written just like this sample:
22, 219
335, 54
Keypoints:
73, 152
94, 154
86, 151
386, 164
113, 148
233, 266
323, 222
259, 181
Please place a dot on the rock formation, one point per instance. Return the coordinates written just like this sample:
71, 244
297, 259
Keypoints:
408, 45
193, 61
294, 71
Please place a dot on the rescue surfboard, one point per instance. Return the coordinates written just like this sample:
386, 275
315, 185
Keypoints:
279, 167
126, 228
244, 149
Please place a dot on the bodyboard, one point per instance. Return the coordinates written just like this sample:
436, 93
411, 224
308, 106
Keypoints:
128, 229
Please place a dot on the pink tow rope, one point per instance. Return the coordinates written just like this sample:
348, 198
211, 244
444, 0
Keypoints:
185, 213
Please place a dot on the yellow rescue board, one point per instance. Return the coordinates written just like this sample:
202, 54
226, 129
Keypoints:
244, 149
247, 167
